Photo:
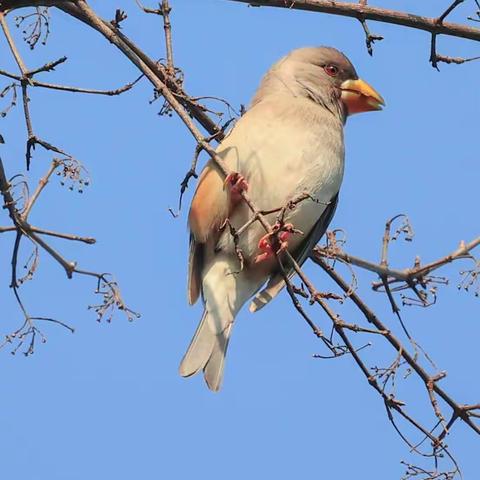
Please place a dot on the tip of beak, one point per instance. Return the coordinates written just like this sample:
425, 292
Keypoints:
360, 96
378, 103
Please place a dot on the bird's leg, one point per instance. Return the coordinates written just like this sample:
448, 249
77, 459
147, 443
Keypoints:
237, 185
276, 241
264, 245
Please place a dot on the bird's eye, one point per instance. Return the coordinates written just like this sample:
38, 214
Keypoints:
331, 70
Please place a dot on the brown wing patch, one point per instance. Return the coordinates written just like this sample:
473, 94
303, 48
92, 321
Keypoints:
209, 209
210, 204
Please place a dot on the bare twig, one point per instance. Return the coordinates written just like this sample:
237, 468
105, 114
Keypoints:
370, 38
396, 344
416, 274
66, 88
166, 9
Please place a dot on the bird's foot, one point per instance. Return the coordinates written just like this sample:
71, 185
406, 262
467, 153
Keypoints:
276, 241
237, 185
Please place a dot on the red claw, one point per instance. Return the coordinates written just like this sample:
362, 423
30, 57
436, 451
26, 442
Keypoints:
237, 185
265, 243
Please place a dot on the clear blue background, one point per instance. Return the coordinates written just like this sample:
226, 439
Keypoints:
107, 402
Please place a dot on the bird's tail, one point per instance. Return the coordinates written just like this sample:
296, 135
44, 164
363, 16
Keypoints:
207, 351
225, 291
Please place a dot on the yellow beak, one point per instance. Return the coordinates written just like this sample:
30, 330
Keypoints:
358, 96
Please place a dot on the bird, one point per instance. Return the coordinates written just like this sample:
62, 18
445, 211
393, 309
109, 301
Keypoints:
288, 145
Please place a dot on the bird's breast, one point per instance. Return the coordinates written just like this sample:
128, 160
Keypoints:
284, 155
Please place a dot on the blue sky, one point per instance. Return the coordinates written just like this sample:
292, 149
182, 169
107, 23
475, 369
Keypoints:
107, 402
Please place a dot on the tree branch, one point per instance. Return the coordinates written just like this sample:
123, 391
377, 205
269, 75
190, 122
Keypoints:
361, 11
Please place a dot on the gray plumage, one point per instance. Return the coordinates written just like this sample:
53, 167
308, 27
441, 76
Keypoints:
288, 143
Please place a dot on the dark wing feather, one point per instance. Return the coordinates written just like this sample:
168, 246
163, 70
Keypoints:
317, 232
195, 264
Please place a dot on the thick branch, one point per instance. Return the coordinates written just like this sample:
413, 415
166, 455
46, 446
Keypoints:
366, 12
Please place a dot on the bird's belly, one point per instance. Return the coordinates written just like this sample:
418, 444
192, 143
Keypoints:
273, 185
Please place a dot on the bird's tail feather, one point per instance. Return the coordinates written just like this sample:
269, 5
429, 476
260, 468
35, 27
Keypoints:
271, 290
213, 370
207, 351
199, 350
225, 291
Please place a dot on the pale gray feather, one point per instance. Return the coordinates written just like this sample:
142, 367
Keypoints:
276, 282
199, 350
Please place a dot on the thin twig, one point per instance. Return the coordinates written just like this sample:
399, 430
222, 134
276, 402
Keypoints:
167, 26
66, 88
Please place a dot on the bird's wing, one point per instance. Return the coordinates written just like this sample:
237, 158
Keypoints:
209, 209
210, 204
317, 232
195, 263
276, 282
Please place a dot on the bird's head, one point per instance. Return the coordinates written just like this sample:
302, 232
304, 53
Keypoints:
327, 77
